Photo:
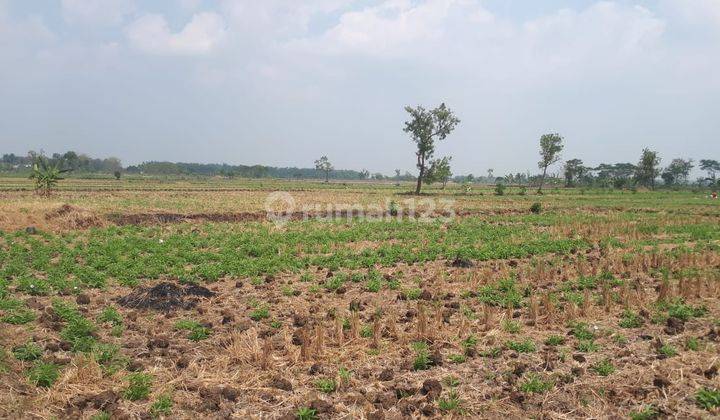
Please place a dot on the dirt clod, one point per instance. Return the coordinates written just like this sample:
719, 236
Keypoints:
165, 297
431, 388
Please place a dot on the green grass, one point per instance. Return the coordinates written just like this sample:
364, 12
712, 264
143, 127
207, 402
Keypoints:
28, 352
162, 406
631, 319
139, 386
667, 350
306, 413
587, 346
646, 413
708, 398
525, 346
555, 340
326, 385
451, 402
603, 367
535, 384
197, 331
43, 374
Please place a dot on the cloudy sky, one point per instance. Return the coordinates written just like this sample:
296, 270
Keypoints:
281, 82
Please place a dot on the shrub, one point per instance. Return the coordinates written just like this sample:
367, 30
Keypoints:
500, 189
536, 208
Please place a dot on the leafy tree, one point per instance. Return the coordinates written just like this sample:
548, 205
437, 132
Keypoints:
397, 173
117, 175
712, 167
323, 164
490, 176
647, 169
574, 171
425, 127
46, 175
439, 171
550, 148
364, 174
677, 171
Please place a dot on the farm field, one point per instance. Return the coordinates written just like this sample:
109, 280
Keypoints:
178, 298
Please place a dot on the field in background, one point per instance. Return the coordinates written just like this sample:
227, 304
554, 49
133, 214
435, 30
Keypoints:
176, 297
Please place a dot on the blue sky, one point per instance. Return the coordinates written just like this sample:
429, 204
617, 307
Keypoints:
281, 82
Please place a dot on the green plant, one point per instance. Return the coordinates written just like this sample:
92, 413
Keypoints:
139, 385
631, 320
581, 331
44, 374
326, 385
110, 315
555, 340
535, 384
535, 208
603, 367
667, 350
27, 352
101, 415
46, 175
708, 398
162, 406
513, 327
500, 189
79, 332
457, 358
344, 374
587, 346
451, 402
693, 344
413, 294
260, 313
648, 412
197, 331
306, 413
422, 356
525, 346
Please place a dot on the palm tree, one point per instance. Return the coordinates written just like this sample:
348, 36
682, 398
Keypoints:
46, 175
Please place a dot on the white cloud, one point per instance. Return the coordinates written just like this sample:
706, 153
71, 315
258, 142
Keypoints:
152, 34
696, 11
97, 12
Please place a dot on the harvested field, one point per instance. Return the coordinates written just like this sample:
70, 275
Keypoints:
603, 305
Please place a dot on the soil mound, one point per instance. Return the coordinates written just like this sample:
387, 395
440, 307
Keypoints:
165, 297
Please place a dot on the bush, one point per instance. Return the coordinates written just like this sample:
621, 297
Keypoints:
535, 208
500, 189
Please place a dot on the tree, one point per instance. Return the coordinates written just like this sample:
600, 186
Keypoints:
46, 174
439, 171
712, 167
397, 173
117, 175
323, 164
677, 171
574, 170
647, 169
490, 176
550, 148
364, 174
425, 127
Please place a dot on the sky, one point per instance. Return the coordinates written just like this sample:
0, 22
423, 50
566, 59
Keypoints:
283, 82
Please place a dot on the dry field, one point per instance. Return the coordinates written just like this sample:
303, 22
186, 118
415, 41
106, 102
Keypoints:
178, 299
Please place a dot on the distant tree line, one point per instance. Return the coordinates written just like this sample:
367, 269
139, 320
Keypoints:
70, 161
